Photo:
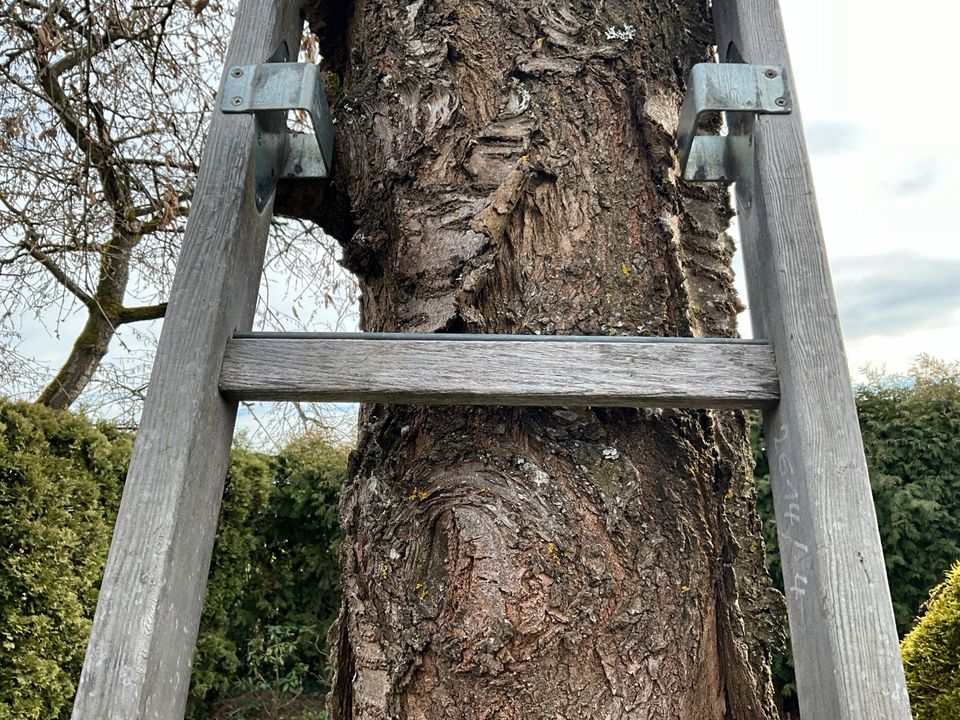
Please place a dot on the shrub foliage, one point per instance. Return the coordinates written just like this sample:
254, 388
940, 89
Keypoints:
60, 479
274, 583
910, 427
273, 589
931, 654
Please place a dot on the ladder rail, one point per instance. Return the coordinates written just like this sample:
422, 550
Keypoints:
845, 646
501, 370
141, 647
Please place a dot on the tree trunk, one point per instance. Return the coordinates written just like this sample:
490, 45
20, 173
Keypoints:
85, 357
510, 167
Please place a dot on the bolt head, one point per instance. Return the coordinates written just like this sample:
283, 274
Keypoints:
236, 100
770, 73
781, 101
236, 72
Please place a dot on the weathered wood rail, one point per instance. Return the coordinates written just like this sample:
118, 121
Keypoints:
508, 371
144, 632
845, 648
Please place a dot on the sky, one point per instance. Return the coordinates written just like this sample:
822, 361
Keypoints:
877, 93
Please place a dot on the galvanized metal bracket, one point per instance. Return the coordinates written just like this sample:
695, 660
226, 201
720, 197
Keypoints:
742, 92
268, 91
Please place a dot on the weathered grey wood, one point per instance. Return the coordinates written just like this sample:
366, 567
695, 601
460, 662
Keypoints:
140, 651
501, 372
844, 639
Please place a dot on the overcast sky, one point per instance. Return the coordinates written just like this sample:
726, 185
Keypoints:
876, 85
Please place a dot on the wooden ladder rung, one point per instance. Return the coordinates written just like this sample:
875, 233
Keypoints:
501, 370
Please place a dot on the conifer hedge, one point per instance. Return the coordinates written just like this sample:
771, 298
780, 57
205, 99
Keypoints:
931, 654
60, 480
273, 589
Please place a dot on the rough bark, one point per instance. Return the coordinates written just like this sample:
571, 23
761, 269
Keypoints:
510, 168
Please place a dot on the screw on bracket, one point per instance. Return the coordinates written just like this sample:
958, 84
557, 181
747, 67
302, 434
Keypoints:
268, 91
742, 92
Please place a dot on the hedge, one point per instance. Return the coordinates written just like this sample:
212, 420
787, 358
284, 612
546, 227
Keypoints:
931, 654
60, 480
273, 587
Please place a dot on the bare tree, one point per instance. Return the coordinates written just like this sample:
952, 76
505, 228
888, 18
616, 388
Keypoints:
102, 114
103, 106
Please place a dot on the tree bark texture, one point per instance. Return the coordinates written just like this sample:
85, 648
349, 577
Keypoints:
510, 168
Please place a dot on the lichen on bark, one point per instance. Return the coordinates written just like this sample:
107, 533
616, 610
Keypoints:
510, 167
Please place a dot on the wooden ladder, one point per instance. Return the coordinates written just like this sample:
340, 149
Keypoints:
845, 645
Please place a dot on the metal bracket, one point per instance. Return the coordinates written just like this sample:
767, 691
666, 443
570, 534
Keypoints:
268, 91
742, 92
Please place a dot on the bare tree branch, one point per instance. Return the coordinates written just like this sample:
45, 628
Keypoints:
140, 314
103, 109
61, 277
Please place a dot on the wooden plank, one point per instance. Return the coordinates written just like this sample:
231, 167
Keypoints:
844, 638
501, 372
140, 651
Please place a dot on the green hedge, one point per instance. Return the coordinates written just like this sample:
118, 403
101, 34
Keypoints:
931, 654
274, 586
272, 591
60, 480
225, 625
910, 428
